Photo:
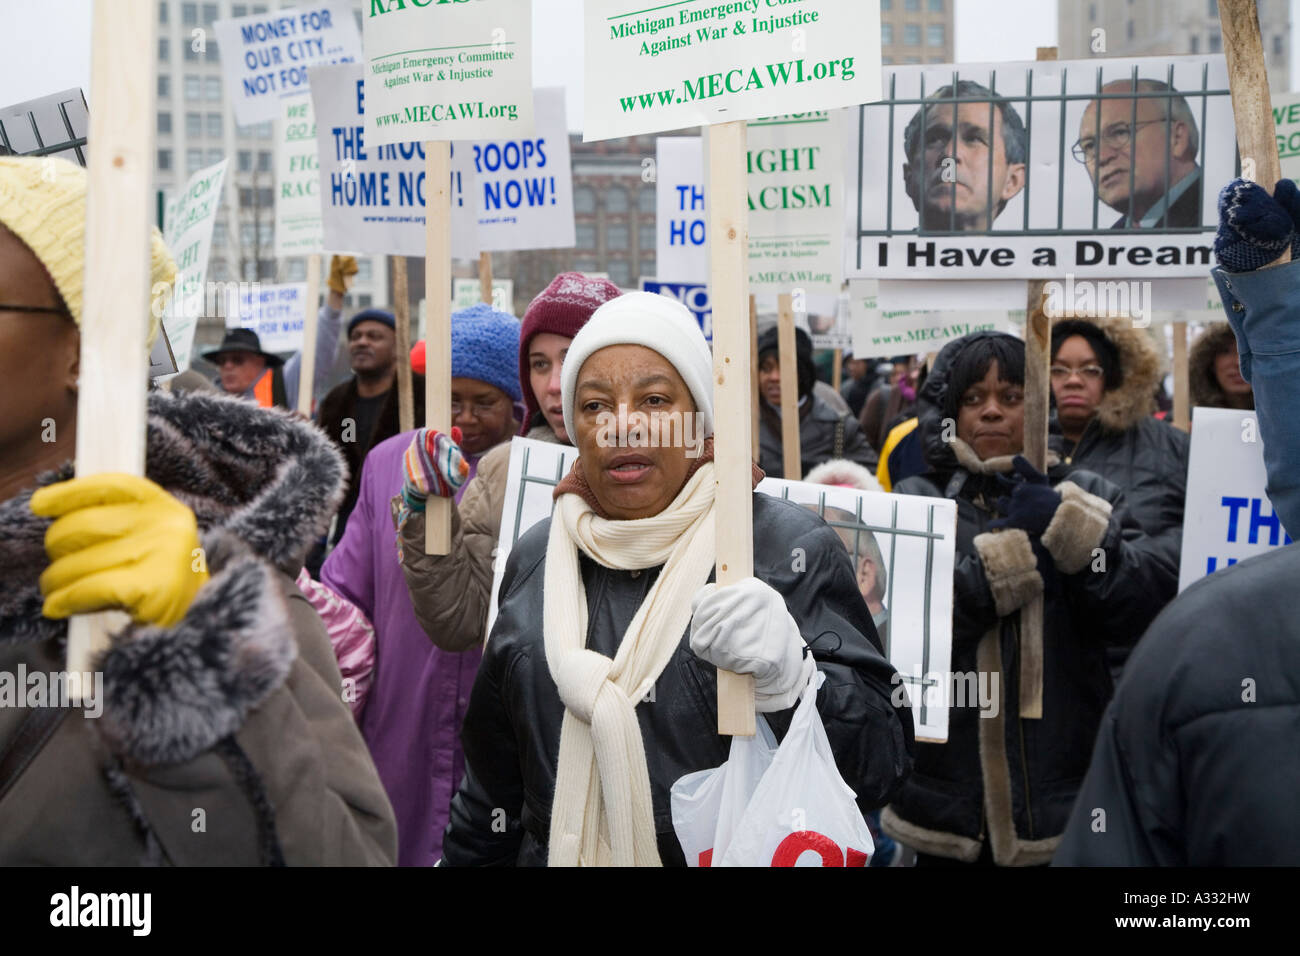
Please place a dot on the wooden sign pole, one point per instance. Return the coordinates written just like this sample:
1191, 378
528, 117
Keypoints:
437, 349
402, 315
756, 418
790, 457
1182, 409
485, 276
1252, 109
732, 396
307, 368
116, 296
837, 370
1038, 403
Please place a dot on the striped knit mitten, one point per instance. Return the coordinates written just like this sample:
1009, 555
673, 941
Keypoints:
1254, 228
433, 464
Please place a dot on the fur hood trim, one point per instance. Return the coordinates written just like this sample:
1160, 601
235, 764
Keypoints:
261, 475
1202, 383
1141, 368
841, 471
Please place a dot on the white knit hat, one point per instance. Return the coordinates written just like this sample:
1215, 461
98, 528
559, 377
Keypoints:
656, 322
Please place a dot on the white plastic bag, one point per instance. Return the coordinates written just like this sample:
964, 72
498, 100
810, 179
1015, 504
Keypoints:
708, 804
797, 809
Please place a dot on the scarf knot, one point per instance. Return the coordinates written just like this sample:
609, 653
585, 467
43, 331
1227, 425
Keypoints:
581, 677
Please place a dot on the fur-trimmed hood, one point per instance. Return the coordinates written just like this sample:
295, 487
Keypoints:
263, 486
1141, 368
1201, 380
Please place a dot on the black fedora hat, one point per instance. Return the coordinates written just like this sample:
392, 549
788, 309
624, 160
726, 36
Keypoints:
242, 340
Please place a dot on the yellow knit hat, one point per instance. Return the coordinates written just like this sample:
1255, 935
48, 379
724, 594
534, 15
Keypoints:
43, 203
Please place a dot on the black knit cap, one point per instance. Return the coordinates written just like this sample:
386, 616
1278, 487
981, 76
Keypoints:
1102, 347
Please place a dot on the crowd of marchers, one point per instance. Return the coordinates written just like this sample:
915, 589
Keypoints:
320, 688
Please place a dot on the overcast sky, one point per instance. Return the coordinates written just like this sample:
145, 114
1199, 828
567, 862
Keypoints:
45, 47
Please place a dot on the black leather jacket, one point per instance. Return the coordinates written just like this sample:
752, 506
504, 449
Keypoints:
512, 728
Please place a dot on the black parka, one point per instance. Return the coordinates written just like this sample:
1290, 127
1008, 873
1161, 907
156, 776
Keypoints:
1000, 777
511, 733
1196, 761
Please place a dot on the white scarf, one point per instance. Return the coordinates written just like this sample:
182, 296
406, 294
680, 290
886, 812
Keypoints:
602, 814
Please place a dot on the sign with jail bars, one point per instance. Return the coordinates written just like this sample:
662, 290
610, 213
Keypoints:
1095, 168
1228, 517
901, 549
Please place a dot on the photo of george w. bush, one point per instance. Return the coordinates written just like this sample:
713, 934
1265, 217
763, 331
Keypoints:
965, 152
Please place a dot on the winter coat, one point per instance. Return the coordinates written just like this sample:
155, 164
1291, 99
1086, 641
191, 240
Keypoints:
1145, 457
451, 593
223, 740
337, 408
823, 434
1261, 307
1001, 778
1196, 761
1201, 379
418, 698
512, 730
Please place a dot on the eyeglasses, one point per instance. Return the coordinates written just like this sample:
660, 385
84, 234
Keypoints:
1114, 136
481, 409
48, 309
1089, 373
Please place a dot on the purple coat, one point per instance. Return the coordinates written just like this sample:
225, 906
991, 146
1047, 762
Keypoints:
419, 695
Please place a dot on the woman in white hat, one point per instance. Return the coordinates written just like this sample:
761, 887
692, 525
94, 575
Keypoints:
598, 687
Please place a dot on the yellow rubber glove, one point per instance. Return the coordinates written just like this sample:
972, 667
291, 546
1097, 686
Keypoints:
342, 269
119, 541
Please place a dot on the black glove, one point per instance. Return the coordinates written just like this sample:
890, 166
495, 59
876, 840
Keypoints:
1032, 501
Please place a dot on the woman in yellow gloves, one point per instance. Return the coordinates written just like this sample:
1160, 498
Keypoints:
214, 730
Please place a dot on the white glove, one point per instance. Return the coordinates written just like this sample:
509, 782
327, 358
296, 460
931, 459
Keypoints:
746, 628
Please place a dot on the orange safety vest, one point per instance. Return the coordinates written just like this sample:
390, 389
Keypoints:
262, 390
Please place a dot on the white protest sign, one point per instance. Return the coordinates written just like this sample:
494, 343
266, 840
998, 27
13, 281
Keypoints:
298, 227
1227, 517
876, 332
525, 186
796, 196
449, 70
693, 295
274, 312
901, 548
681, 239
698, 62
1017, 199
372, 197
187, 229
265, 57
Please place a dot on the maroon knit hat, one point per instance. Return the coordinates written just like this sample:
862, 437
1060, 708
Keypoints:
562, 308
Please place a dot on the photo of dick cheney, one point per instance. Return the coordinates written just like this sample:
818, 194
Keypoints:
1038, 154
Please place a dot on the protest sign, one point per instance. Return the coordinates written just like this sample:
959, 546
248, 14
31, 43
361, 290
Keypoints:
796, 195
699, 62
681, 248
693, 295
187, 228
879, 332
449, 70
1033, 211
274, 312
1227, 516
902, 549
265, 57
525, 186
54, 125
298, 227
373, 197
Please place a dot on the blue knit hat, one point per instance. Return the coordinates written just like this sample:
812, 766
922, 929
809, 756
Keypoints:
485, 346
372, 315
